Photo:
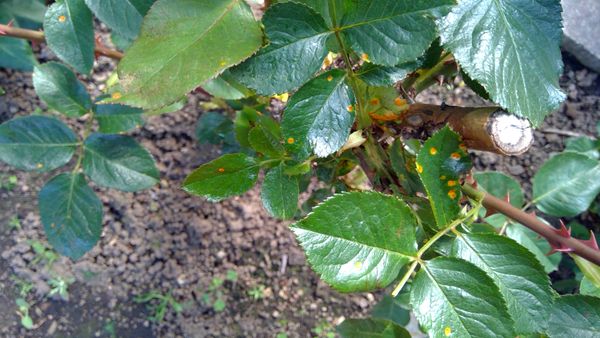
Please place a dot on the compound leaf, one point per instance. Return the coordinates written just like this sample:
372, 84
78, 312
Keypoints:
566, 184
69, 32
36, 143
369, 328
279, 193
512, 48
440, 162
182, 45
575, 316
117, 118
71, 214
451, 296
316, 119
59, 88
520, 277
296, 50
229, 175
119, 162
358, 241
122, 16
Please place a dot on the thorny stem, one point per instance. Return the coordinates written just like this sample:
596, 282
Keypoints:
38, 36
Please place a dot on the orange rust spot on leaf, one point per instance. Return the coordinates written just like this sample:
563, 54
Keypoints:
452, 183
455, 156
365, 57
350, 108
221, 170
400, 102
432, 151
463, 147
62, 18
329, 78
116, 95
375, 101
419, 168
291, 140
452, 194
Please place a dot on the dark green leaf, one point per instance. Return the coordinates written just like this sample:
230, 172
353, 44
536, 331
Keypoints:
474, 85
380, 76
386, 30
244, 119
566, 184
36, 143
265, 143
296, 50
358, 241
59, 88
29, 13
535, 244
501, 185
575, 316
452, 297
69, 32
215, 128
229, 175
117, 118
119, 162
390, 308
584, 145
440, 163
225, 86
316, 119
511, 47
122, 16
279, 193
182, 45
369, 328
71, 214
520, 277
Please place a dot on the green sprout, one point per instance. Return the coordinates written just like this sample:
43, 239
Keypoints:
158, 304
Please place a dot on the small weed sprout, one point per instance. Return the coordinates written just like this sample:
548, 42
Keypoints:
158, 304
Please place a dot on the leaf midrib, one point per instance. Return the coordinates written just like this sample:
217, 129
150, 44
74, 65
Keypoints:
565, 184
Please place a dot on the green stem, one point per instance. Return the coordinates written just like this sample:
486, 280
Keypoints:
86, 132
405, 278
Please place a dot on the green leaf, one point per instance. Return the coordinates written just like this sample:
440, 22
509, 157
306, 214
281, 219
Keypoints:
535, 244
390, 308
14, 53
575, 316
566, 185
36, 143
229, 175
279, 193
584, 145
173, 107
386, 30
316, 118
215, 128
588, 288
69, 32
29, 13
119, 162
226, 87
182, 45
500, 185
59, 88
403, 164
358, 241
512, 48
122, 16
71, 214
117, 118
440, 163
244, 119
295, 53
452, 297
381, 76
369, 328
520, 277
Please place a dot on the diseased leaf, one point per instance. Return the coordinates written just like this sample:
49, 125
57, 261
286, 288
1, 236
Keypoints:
566, 184
403, 164
440, 162
229, 175
182, 45
520, 277
71, 214
122, 16
295, 52
512, 48
118, 162
69, 32
391, 32
279, 193
36, 143
358, 241
59, 88
575, 316
369, 328
316, 119
117, 118
452, 297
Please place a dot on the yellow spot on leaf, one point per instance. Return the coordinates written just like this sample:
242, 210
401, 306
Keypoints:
350, 108
53, 225
329, 77
419, 168
455, 156
282, 97
223, 63
447, 331
358, 265
62, 18
400, 102
39, 165
463, 147
221, 170
432, 151
452, 183
291, 140
116, 95
365, 57
374, 101
452, 194
443, 177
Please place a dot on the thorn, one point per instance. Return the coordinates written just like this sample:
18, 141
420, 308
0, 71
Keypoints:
591, 242
532, 214
563, 231
9, 24
98, 44
507, 198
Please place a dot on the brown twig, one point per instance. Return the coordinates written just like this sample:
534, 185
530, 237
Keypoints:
533, 223
38, 36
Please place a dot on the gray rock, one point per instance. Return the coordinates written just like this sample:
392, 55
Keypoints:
582, 31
